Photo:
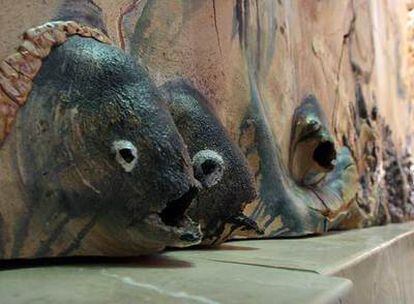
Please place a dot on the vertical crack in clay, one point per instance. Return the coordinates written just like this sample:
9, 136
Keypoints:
216, 27
345, 42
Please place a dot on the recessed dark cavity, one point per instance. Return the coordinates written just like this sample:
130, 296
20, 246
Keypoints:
312, 149
175, 210
374, 113
209, 166
127, 155
361, 103
325, 154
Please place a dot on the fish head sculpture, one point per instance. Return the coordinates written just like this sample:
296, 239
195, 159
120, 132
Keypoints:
102, 165
314, 190
312, 147
219, 165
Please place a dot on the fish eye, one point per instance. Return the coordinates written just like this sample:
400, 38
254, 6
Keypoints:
125, 154
208, 167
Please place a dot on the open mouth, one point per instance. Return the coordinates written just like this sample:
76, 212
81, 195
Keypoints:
173, 220
174, 213
325, 154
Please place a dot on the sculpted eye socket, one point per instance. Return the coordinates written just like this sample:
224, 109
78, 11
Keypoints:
125, 154
208, 167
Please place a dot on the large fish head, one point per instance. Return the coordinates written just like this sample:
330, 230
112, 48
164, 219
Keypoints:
107, 149
219, 165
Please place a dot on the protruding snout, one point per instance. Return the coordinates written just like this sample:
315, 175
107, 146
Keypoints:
208, 167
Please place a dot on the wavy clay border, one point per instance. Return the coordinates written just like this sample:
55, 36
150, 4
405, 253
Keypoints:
18, 70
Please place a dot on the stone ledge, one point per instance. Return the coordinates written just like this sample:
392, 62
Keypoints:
168, 280
361, 266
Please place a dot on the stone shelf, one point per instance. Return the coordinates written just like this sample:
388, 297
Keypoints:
372, 265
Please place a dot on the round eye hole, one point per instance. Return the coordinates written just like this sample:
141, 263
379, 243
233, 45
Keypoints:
208, 167
125, 154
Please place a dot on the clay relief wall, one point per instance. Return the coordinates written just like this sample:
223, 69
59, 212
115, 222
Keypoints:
257, 62
234, 118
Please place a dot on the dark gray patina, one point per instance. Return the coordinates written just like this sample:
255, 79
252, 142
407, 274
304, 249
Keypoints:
228, 185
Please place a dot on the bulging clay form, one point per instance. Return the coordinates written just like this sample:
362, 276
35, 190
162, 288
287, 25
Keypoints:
227, 183
317, 188
91, 161
312, 148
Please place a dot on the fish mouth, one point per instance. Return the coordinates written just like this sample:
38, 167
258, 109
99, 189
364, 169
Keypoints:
173, 221
174, 212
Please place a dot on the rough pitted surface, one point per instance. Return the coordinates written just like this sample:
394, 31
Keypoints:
255, 63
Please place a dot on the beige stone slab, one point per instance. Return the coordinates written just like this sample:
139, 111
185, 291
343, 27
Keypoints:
166, 280
384, 277
326, 254
378, 261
